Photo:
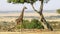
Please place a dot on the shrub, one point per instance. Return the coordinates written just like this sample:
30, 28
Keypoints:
34, 24
18, 26
37, 24
58, 11
25, 24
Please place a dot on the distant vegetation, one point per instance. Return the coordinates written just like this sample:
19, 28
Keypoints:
58, 11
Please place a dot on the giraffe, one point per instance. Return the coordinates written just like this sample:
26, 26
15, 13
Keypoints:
20, 18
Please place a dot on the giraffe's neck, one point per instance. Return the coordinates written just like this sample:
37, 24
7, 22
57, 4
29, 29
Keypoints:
22, 14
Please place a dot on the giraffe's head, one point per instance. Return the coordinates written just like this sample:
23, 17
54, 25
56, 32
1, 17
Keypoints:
25, 7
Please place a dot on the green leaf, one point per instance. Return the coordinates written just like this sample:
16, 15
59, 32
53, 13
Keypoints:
21, 1
9, 1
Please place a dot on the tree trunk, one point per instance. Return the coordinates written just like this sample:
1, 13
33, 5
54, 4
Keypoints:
43, 21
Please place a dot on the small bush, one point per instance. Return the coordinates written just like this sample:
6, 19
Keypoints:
25, 23
37, 24
33, 24
58, 11
19, 26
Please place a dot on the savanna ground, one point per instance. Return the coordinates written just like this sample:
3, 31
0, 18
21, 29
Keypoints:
9, 22
57, 32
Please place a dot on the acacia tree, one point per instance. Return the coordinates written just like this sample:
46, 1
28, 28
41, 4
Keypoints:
42, 19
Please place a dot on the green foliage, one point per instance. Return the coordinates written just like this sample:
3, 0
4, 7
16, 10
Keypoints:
37, 24
25, 24
9, 1
58, 11
34, 24
18, 26
21, 1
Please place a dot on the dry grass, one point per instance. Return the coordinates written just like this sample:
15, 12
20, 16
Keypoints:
10, 32
38, 31
50, 32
